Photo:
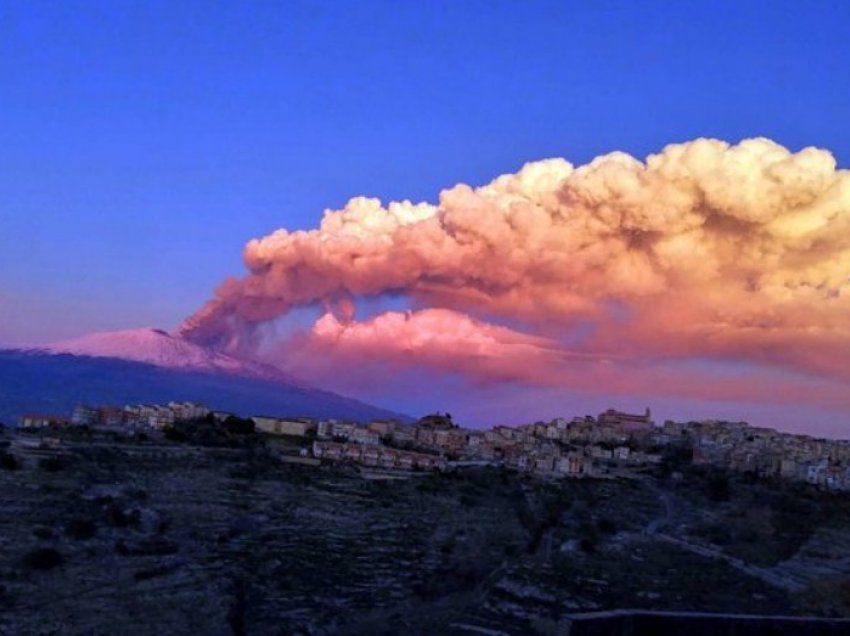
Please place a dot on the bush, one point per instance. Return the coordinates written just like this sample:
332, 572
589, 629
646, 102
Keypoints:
175, 435
589, 536
81, 529
43, 559
588, 545
239, 426
43, 532
718, 488
51, 464
119, 517
606, 526
9, 461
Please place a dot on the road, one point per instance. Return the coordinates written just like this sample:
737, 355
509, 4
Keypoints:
771, 576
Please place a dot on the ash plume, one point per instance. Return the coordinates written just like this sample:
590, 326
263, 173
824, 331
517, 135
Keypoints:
703, 250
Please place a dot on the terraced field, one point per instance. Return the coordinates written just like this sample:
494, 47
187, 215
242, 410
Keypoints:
174, 539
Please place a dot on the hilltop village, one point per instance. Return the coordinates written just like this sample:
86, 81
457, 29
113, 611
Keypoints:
612, 443
174, 518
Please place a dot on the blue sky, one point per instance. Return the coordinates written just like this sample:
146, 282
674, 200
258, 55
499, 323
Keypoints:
142, 143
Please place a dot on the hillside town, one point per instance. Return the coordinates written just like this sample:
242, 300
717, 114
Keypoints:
611, 443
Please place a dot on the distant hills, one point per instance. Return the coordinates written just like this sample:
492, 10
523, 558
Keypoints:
152, 366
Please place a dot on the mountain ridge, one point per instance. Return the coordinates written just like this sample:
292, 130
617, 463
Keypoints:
153, 366
162, 349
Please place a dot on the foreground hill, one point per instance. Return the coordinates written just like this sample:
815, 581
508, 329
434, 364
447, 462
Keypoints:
147, 538
42, 381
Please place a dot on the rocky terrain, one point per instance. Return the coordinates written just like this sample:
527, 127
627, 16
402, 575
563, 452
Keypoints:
105, 535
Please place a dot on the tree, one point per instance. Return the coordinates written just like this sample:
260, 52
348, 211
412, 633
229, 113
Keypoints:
9, 461
718, 487
239, 426
43, 559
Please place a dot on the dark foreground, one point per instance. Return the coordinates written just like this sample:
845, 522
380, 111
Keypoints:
102, 537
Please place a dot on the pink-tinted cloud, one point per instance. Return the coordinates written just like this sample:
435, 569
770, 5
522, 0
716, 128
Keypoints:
350, 355
705, 250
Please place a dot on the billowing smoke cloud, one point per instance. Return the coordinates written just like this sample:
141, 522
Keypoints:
705, 250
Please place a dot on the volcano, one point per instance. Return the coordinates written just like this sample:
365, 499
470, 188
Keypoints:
154, 366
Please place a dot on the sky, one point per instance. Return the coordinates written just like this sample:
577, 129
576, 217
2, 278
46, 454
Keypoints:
142, 145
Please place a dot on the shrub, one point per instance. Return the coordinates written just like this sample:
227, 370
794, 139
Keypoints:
239, 426
43, 559
606, 525
718, 488
81, 529
43, 532
51, 464
8, 461
175, 435
119, 517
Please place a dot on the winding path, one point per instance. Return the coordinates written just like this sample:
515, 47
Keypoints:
769, 575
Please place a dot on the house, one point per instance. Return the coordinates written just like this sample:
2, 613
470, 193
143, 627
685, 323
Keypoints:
161, 417
111, 416
188, 410
437, 422
343, 429
327, 450
371, 456
325, 429
621, 453
598, 452
43, 421
429, 462
626, 422
572, 465
544, 464
387, 459
452, 440
85, 415
383, 427
297, 427
403, 437
364, 436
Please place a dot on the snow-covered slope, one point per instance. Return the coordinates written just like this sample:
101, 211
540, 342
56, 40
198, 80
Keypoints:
35, 381
159, 348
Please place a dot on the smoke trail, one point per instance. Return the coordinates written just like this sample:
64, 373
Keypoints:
704, 250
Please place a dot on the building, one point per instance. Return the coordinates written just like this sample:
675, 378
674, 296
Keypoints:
188, 410
364, 436
403, 437
377, 456
626, 422
436, 421
325, 429
33, 420
297, 427
85, 415
383, 427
